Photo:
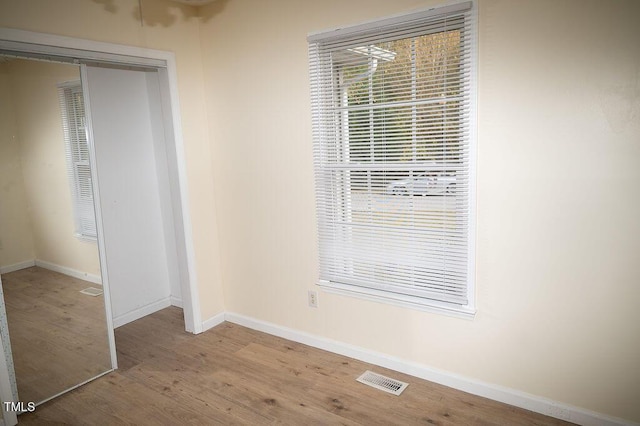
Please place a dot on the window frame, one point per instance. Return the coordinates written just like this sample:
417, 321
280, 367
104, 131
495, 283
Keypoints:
370, 28
82, 206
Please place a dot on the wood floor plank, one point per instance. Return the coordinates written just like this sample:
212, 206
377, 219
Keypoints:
234, 375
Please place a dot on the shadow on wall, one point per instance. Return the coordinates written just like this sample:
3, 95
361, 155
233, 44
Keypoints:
167, 12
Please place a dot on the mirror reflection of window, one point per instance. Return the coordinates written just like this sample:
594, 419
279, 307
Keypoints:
77, 150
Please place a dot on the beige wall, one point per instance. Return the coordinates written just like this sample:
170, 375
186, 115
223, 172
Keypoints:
558, 153
167, 26
16, 238
558, 235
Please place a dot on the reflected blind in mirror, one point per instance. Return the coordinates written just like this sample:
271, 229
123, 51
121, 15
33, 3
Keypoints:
77, 154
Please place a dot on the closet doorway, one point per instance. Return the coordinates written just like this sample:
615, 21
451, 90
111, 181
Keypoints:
137, 171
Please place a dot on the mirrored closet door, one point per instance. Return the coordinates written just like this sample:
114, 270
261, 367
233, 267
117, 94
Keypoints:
49, 261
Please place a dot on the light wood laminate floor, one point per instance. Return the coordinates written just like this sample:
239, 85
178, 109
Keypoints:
234, 375
58, 335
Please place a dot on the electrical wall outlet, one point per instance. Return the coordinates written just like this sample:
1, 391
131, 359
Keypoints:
313, 298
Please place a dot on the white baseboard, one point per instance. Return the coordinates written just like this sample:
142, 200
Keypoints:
213, 321
96, 279
17, 266
143, 311
509, 396
176, 301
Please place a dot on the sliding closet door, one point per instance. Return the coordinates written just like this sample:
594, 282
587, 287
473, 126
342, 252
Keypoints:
131, 167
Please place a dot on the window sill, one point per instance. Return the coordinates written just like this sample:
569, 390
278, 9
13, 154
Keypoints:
399, 300
86, 238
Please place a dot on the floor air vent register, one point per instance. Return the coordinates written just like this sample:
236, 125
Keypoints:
91, 291
383, 383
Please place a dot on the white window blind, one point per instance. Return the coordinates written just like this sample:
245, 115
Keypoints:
77, 153
392, 105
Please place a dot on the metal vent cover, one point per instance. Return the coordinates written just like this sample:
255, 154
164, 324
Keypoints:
381, 382
91, 291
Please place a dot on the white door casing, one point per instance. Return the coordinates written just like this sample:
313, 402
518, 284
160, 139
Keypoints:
8, 418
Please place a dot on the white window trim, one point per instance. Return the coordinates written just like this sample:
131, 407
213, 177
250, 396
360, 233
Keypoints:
416, 303
467, 311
